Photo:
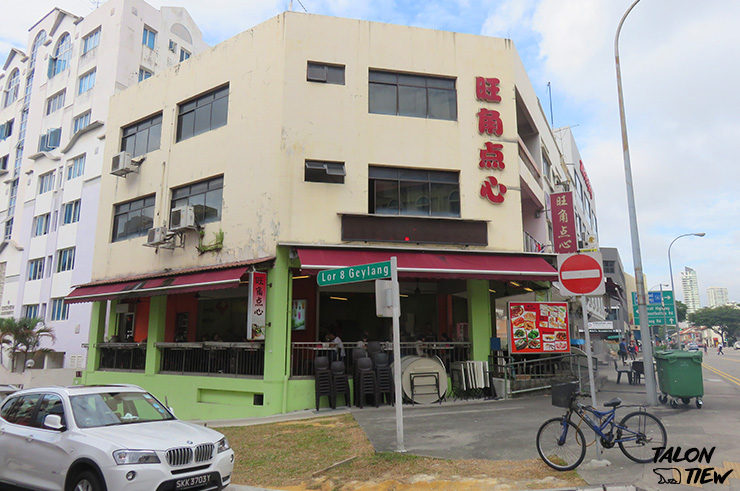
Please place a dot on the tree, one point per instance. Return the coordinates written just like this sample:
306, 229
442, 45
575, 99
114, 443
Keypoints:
723, 320
681, 310
24, 336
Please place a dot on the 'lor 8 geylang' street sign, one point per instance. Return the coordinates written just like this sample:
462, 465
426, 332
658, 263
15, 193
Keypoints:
351, 274
660, 313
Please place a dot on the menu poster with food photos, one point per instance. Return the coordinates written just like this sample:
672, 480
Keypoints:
538, 327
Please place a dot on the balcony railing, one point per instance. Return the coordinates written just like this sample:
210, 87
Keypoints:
211, 358
303, 354
532, 245
129, 357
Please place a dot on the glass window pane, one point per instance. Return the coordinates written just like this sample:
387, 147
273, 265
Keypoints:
382, 99
383, 172
219, 112
199, 188
412, 101
155, 133
185, 125
443, 176
411, 192
316, 72
127, 144
441, 83
212, 208
188, 106
414, 80
387, 77
413, 175
386, 197
335, 75
202, 120
216, 182
445, 200
140, 147
443, 104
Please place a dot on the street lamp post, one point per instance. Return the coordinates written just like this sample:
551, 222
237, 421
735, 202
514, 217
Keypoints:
650, 388
670, 270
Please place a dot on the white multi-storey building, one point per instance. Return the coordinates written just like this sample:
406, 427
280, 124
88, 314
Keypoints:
690, 290
53, 112
717, 296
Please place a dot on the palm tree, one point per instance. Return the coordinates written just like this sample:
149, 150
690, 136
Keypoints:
5, 336
25, 336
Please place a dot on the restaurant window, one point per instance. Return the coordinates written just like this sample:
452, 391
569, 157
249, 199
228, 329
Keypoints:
323, 171
412, 95
397, 191
142, 137
205, 196
133, 219
326, 73
204, 113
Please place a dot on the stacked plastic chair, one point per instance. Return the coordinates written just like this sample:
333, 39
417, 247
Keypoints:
365, 382
323, 385
374, 347
384, 377
340, 383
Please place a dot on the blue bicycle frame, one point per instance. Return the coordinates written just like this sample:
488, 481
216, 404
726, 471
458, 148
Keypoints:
606, 419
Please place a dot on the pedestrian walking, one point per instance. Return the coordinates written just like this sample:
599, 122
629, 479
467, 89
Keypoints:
719, 349
623, 351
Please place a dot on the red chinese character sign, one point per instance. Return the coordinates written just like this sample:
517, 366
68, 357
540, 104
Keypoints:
538, 327
256, 314
563, 222
491, 156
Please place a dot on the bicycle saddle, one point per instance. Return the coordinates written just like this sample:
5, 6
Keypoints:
614, 402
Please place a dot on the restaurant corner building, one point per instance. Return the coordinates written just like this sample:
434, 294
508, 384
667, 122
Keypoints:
308, 143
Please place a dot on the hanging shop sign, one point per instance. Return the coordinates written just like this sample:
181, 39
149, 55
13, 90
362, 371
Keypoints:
490, 123
256, 315
563, 222
538, 327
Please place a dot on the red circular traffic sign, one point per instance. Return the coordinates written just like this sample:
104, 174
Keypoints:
581, 274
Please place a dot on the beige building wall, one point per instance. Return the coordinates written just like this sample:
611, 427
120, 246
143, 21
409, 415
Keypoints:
277, 120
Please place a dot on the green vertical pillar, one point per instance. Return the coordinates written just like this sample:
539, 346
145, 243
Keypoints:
479, 319
277, 334
157, 319
97, 335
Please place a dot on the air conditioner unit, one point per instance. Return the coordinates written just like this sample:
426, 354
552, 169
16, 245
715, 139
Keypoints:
156, 236
182, 218
121, 165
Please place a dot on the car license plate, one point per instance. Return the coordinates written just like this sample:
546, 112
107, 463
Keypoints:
192, 482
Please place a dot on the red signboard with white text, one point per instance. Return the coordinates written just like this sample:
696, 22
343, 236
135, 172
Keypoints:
256, 316
538, 327
563, 223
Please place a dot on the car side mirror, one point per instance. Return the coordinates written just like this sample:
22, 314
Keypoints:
54, 422
172, 411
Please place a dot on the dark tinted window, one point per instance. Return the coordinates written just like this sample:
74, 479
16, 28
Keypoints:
21, 410
418, 96
395, 191
204, 113
142, 137
50, 404
133, 219
205, 196
322, 72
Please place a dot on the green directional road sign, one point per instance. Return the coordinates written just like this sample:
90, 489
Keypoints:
661, 311
352, 274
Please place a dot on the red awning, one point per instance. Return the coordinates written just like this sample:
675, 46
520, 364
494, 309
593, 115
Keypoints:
168, 284
429, 264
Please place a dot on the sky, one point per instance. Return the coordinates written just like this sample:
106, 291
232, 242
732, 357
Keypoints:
679, 61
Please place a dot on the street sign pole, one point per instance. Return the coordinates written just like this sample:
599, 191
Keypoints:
397, 353
591, 384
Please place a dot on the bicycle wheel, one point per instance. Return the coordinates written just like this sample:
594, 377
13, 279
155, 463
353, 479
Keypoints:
562, 448
638, 434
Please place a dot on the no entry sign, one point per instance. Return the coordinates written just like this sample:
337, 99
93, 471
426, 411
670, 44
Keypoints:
581, 274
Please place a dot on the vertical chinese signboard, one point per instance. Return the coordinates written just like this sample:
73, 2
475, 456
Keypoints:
538, 327
257, 306
490, 123
563, 223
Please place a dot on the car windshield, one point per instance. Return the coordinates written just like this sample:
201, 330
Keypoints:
116, 408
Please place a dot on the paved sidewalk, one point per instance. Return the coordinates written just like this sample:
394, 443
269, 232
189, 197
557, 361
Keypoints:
506, 430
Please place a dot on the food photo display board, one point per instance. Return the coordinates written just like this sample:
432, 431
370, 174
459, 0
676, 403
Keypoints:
538, 327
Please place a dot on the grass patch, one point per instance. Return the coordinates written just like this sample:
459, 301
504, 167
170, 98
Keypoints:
298, 454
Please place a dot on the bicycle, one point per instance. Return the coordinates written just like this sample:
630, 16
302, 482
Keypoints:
562, 445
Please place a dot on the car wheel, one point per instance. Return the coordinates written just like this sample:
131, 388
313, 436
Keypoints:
86, 481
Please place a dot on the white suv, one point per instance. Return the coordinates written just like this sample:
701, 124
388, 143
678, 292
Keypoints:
97, 438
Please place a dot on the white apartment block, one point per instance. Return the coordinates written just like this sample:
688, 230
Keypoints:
717, 296
690, 290
53, 113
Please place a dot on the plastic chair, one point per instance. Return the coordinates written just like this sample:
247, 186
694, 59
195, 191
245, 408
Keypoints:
340, 383
323, 383
628, 371
374, 347
365, 382
638, 370
384, 377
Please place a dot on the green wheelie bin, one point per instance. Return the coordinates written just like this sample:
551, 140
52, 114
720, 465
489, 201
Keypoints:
680, 376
